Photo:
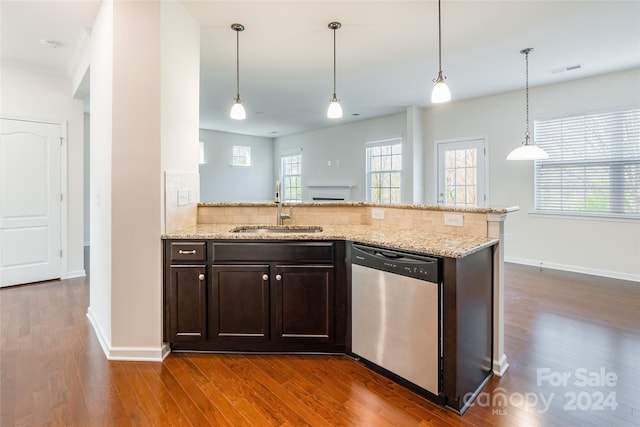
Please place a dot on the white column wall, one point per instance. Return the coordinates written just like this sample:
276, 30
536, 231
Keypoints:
134, 135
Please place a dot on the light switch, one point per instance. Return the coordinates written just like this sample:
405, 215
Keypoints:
183, 197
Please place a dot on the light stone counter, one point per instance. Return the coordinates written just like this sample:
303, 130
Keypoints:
425, 242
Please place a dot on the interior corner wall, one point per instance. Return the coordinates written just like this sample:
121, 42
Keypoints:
39, 96
336, 156
606, 247
415, 155
221, 182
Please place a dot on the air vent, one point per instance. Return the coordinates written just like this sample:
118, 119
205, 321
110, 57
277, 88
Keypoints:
567, 68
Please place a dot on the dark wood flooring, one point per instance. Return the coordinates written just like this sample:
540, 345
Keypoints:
584, 329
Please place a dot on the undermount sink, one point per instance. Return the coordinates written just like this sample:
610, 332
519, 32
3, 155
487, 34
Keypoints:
282, 229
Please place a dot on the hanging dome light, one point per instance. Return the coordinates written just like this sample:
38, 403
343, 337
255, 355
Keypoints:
440, 92
335, 109
237, 110
528, 150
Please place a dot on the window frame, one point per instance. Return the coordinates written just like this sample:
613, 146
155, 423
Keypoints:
387, 142
285, 178
615, 199
241, 152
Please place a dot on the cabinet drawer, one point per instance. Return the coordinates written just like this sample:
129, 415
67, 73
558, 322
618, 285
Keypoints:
188, 251
315, 252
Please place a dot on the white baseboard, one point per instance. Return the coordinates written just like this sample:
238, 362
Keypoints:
575, 269
140, 354
75, 273
500, 366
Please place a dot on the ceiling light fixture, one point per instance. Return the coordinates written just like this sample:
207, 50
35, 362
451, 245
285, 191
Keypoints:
237, 110
528, 150
335, 110
440, 92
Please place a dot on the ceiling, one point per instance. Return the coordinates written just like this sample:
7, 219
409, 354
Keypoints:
387, 51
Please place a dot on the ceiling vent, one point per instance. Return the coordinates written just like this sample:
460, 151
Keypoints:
567, 68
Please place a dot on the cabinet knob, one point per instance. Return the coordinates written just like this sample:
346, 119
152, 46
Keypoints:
201, 276
265, 277
278, 277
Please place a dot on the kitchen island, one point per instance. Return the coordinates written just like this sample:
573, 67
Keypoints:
296, 287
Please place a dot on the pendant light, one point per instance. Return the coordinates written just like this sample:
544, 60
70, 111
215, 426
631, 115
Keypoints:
528, 150
335, 110
440, 92
237, 110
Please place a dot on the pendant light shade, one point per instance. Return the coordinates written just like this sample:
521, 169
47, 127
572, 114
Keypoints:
440, 92
237, 110
335, 110
528, 150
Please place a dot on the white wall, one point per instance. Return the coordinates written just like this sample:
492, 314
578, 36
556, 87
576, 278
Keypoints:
86, 205
33, 95
133, 136
597, 246
101, 103
220, 182
344, 147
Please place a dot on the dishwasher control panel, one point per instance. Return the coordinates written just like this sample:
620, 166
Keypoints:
410, 265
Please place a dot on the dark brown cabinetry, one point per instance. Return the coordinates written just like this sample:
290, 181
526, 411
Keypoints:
239, 303
304, 301
257, 296
186, 287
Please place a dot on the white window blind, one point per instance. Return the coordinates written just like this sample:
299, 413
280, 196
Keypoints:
593, 166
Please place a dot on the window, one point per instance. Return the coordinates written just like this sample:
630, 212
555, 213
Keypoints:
384, 169
241, 156
461, 172
593, 166
292, 177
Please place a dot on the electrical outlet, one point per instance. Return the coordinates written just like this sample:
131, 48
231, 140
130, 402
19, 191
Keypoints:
456, 220
377, 213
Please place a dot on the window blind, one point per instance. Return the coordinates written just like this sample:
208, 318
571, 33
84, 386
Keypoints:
593, 166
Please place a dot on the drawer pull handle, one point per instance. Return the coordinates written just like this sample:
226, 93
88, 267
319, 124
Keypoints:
201, 277
191, 252
265, 277
278, 277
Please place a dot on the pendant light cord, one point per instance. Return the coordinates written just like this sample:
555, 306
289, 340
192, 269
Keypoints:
526, 60
238, 65
439, 40
334, 62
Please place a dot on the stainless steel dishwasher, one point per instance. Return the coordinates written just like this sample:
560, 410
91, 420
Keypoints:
395, 313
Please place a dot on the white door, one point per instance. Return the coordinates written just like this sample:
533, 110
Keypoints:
462, 173
30, 202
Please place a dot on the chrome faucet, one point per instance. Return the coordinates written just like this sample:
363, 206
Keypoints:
280, 215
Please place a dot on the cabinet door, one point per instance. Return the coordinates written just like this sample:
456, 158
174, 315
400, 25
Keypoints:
188, 303
239, 303
305, 303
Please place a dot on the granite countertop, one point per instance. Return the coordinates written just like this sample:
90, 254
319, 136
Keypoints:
495, 210
426, 242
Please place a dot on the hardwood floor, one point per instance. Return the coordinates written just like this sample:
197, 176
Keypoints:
53, 371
